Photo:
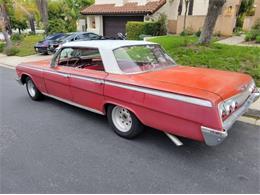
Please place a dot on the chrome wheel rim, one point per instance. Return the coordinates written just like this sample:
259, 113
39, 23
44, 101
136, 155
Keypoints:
31, 88
122, 119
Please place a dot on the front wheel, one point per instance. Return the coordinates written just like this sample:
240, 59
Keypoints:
32, 90
124, 122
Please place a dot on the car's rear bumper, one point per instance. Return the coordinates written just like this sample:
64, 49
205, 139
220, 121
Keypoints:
214, 137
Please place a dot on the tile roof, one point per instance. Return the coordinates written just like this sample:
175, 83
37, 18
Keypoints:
128, 8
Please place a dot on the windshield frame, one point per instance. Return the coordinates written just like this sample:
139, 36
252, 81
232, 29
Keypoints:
152, 70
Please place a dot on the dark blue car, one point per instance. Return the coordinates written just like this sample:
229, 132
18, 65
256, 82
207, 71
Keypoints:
43, 46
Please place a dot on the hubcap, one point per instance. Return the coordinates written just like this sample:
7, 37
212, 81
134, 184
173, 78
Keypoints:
121, 118
31, 88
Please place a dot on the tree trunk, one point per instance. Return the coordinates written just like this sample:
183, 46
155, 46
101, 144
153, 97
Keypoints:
215, 8
7, 20
3, 25
185, 14
31, 21
43, 8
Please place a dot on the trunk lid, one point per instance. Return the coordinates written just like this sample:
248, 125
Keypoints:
222, 83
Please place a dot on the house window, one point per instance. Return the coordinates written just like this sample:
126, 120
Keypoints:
92, 22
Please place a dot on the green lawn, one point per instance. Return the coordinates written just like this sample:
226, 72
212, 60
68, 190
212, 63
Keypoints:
26, 46
218, 56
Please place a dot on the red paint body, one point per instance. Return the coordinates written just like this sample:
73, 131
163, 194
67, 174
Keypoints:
169, 115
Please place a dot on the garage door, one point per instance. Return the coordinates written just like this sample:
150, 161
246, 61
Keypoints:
115, 24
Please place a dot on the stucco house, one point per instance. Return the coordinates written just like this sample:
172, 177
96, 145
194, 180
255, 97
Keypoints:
108, 17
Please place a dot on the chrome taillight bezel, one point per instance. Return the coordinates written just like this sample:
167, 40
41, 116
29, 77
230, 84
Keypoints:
234, 102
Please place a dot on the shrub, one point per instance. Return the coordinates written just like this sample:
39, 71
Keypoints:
151, 28
134, 30
162, 24
249, 36
11, 51
17, 37
2, 45
56, 26
198, 33
257, 39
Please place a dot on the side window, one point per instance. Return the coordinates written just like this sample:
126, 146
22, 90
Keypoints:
65, 55
84, 58
91, 59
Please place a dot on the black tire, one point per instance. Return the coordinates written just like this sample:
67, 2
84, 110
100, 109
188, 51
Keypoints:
136, 126
37, 95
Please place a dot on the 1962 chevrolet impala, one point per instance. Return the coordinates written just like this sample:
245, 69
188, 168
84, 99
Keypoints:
135, 83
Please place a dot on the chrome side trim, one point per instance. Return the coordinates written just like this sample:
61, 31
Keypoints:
213, 137
162, 94
32, 68
86, 78
91, 79
57, 73
159, 93
74, 104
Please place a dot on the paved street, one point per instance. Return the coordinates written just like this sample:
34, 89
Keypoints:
51, 147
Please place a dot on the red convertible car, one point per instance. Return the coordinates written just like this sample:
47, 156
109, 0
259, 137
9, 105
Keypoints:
135, 83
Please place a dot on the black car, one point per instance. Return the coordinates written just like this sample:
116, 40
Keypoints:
76, 36
43, 46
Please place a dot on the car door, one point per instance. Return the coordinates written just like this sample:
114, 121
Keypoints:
56, 78
87, 80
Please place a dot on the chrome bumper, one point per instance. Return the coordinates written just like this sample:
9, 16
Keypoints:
214, 137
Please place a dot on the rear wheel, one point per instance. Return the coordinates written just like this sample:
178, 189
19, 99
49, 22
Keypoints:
124, 122
32, 90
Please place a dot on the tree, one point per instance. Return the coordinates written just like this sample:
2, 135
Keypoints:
246, 9
185, 14
66, 10
19, 24
43, 9
3, 23
215, 8
27, 8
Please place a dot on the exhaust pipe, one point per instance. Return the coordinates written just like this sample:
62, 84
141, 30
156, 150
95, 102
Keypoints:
174, 139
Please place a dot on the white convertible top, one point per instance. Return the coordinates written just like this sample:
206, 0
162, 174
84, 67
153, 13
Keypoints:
106, 48
106, 44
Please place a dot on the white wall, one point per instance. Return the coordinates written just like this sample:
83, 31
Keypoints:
121, 2
105, 1
200, 7
170, 8
99, 25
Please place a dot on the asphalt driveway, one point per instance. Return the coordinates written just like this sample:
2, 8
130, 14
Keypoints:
51, 147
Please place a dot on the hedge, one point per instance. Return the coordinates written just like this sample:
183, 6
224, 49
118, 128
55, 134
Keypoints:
135, 29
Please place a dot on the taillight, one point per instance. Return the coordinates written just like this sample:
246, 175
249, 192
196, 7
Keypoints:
227, 108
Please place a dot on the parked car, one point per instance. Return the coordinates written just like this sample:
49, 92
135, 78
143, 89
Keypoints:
43, 46
76, 36
135, 83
